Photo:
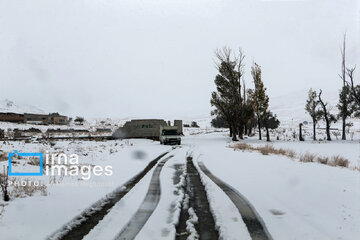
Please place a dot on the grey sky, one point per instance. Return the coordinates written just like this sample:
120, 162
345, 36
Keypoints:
140, 58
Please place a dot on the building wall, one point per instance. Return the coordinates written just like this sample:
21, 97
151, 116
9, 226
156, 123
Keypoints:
46, 119
33, 118
59, 120
38, 118
11, 117
143, 128
179, 125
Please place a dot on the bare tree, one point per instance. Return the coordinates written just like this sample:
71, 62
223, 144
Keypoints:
355, 90
329, 118
343, 105
240, 65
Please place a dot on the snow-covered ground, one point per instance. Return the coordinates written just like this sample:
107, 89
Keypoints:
35, 217
7, 105
295, 200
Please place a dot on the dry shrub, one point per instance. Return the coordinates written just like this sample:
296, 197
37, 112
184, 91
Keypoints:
323, 160
281, 151
19, 191
242, 146
307, 157
3, 157
290, 153
35, 161
339, 161
267, 149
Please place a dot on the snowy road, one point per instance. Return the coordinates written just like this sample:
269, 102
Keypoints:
200, 190
195, 218
147, 207
87, 220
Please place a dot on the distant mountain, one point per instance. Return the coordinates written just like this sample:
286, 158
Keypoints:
9, 106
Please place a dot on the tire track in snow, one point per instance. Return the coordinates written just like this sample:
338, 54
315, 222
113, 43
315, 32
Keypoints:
82, 224
251, 218
147, 207
196, 220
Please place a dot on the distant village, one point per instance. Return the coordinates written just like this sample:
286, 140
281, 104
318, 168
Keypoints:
137, 128
32, 118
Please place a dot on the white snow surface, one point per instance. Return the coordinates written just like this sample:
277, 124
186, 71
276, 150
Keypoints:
295, 200
7, 105
39, 216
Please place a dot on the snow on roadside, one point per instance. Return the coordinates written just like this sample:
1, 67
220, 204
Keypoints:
39, 216
348, 149
296, 200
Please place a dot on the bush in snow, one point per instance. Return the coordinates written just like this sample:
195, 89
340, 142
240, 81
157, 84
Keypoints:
323, 159
242, 146
307, 157
339, 161
3, 157
27, 190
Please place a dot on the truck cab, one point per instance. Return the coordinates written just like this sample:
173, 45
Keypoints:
169, 135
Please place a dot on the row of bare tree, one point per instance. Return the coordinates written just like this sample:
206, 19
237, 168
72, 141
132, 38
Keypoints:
348, 105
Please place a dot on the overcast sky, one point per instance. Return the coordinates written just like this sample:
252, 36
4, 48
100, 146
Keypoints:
112, 58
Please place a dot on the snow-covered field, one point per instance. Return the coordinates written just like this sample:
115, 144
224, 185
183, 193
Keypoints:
35, 217
295, 200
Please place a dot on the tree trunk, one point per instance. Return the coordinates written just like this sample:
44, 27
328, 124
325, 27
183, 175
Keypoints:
267, 135
6, 196
241, 132
326, 116
234, 138
246, 130
328, 130
230, 131
300, 132
314, 130
343, 128
259, 127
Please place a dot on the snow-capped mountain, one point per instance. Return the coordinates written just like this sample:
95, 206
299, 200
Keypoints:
7, 105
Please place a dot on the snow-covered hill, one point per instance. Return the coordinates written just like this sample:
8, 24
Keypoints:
9, 106
291, 106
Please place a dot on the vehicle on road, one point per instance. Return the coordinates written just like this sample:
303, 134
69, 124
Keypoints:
169, 135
